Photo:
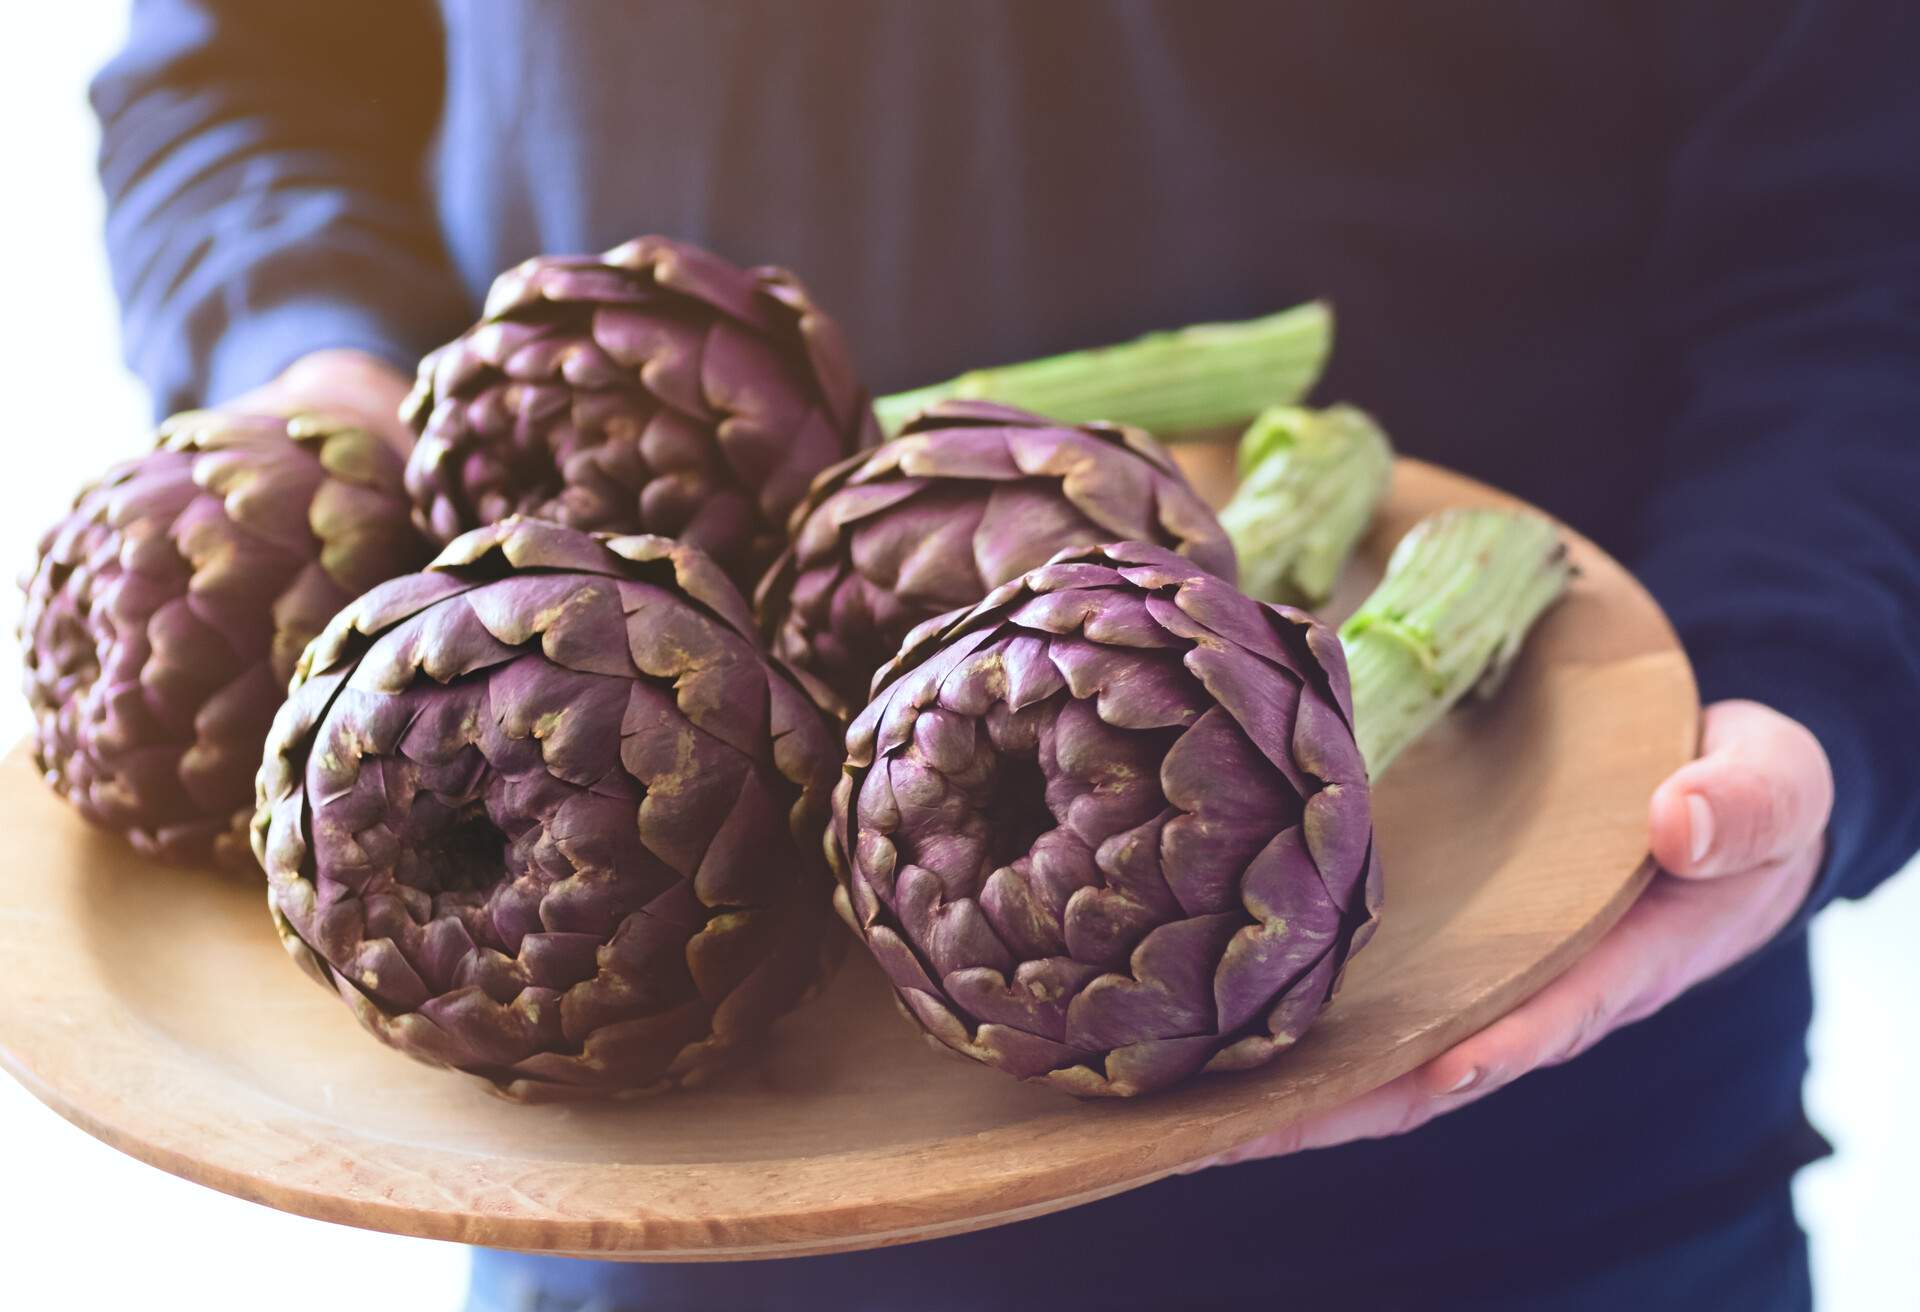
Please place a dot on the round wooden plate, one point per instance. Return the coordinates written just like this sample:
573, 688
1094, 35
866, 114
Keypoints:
155, 1008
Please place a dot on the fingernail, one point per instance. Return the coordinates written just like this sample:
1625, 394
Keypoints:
1467, 1081
1699, 827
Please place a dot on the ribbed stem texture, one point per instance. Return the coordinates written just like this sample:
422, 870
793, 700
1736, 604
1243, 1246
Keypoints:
1209, 375
1461, 592
1309, 483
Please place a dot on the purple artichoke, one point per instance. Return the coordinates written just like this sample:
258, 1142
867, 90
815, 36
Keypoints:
970, 495
1110, 826
653, 389
546, 814
168, 609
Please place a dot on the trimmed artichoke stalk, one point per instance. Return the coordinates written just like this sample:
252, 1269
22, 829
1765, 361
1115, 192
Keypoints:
1205, 376
969, 496
1113, 826
1309, 483
546, 814
167, 610
1461, 591
654, 389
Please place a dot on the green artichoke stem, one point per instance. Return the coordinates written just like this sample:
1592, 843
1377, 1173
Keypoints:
1461, 591
1206, 376
1309, 483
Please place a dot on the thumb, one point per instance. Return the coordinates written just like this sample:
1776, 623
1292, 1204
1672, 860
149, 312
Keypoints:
1760, 791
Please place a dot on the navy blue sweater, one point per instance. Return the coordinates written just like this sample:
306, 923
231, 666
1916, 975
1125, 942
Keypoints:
1654, 265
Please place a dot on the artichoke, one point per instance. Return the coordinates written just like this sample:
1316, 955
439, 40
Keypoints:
970, 495
1112, 826
546, 814
167, 610
653, 389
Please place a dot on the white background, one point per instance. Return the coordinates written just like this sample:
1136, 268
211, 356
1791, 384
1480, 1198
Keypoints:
86, 1228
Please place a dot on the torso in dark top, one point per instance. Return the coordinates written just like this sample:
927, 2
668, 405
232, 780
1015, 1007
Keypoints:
970, 183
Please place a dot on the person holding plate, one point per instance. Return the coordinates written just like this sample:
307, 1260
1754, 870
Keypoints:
1653, 266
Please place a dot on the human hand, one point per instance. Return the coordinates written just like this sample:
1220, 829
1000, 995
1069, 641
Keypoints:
351, 384
1738, 834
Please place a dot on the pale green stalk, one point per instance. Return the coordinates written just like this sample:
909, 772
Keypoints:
1310, 481
1207, 376
1460, 593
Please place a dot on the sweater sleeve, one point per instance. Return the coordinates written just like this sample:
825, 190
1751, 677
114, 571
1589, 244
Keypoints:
1784, 537
265, 175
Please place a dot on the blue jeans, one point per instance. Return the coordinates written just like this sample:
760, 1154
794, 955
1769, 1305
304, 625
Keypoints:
1756, 1262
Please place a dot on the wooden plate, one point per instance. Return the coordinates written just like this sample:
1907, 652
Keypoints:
154, 1007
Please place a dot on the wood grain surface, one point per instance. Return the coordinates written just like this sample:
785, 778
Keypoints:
154, 1007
